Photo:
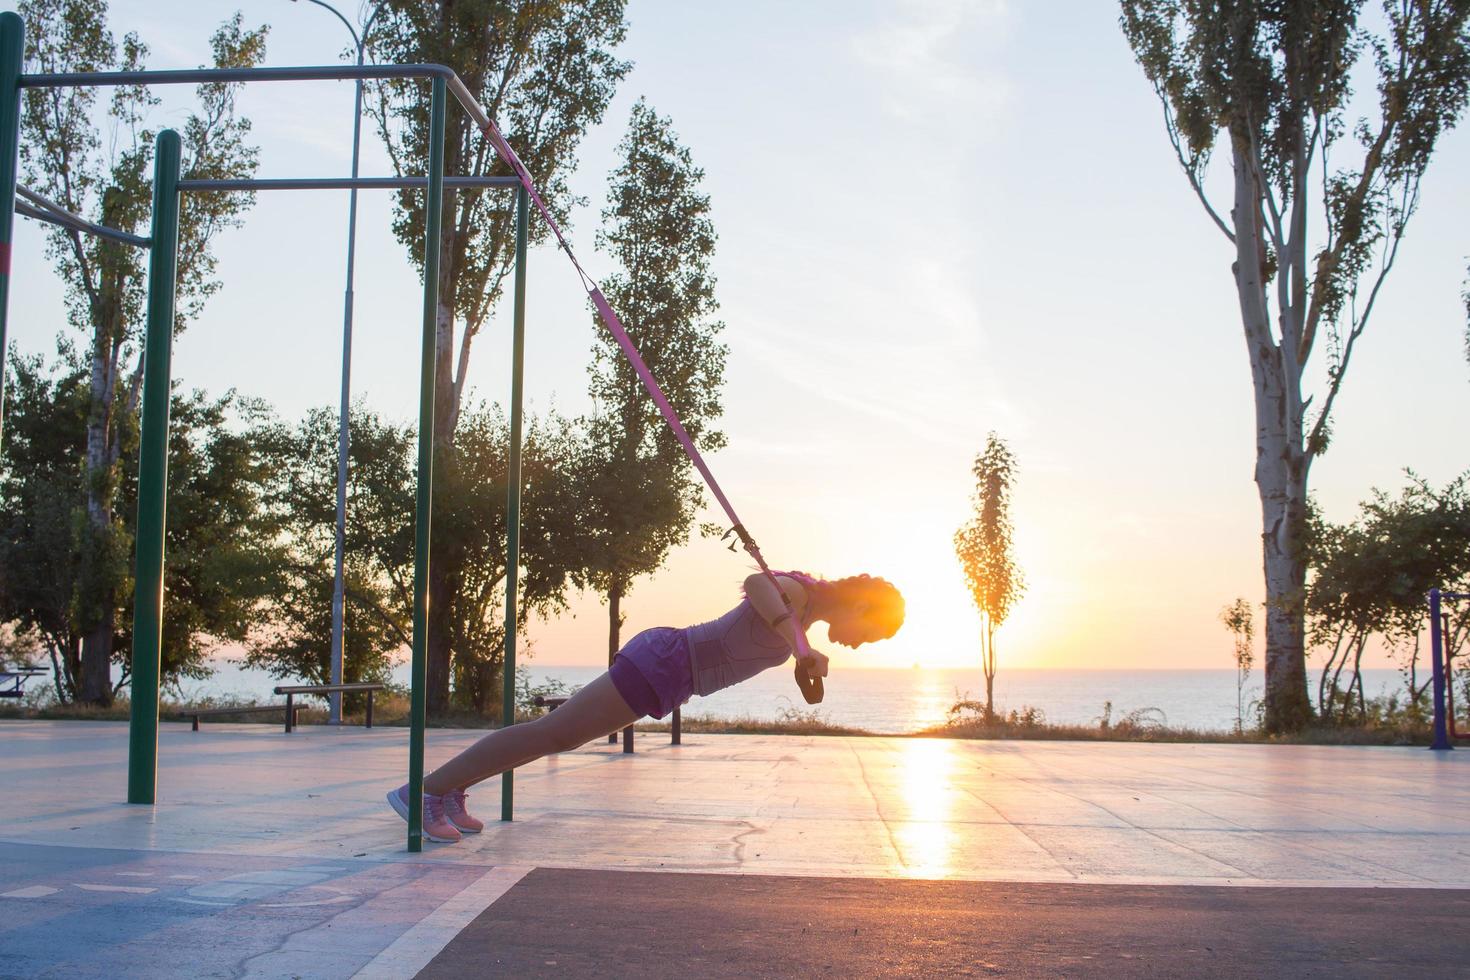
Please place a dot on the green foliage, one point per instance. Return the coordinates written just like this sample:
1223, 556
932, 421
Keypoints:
1465, 298
68, 157
985, 548
379, 563
1371, 576
545, 72
222, 556
1239, 620
40, 483
638, 490
295, 639
65, 157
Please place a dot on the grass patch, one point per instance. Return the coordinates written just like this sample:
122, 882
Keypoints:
790, 721
391, 709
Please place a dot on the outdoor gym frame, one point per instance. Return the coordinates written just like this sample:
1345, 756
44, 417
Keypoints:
162, 244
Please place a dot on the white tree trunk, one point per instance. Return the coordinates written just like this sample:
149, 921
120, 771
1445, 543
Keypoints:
1281, 463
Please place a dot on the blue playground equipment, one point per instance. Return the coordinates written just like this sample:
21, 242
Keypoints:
1444, 694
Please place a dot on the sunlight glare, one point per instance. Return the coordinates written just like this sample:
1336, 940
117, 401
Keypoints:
925, 840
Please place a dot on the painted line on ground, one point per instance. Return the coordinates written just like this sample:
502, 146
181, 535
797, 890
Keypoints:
412, 951
34, 891
129, 889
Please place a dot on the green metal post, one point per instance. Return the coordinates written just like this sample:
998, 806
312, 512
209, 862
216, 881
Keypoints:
513, 492
153, 471
433, 208
12, 58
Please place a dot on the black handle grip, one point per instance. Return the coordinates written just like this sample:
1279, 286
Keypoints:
811, 685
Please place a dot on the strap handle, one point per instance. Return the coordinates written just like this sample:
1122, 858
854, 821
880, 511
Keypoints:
810, 684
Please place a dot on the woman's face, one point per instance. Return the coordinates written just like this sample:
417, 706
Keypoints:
851, 628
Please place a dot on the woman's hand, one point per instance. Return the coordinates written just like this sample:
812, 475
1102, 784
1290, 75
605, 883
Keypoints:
816, 664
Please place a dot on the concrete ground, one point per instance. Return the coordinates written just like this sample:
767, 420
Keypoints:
275, 856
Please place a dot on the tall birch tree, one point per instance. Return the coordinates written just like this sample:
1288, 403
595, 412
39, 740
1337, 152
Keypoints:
104, 172
1319, 203
545, 72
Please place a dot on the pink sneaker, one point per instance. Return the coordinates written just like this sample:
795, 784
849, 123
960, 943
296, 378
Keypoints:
436, 825
458, 815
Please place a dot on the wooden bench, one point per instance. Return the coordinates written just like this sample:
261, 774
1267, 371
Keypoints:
17, 680
551, 704
291, 690
290, 707
196, 713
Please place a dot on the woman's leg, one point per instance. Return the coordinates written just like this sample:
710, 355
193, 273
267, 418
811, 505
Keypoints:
593, 711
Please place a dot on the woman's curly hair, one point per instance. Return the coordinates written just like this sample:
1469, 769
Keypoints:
885, 606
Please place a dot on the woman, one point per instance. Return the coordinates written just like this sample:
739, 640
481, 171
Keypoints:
660, 669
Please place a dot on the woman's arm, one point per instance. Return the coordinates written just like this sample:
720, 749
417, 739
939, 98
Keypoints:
768, 605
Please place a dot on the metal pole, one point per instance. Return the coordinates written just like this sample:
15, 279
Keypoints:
1436, 652
338, 586
12, 58
340, 541
433, 208
153, 471
513, 493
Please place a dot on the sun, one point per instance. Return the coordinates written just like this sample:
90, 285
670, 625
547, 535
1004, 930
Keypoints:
941, 626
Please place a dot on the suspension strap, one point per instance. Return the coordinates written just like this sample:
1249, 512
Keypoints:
811, 685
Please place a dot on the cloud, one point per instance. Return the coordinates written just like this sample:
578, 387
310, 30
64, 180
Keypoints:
928, 58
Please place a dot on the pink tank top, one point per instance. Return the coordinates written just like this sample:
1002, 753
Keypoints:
737, 646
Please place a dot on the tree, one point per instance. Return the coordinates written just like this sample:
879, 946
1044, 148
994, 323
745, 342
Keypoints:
67, 157
296, 641
1239, 621
1370, 577
1274, 79
986, 552
639, 490
545, 72
222, 550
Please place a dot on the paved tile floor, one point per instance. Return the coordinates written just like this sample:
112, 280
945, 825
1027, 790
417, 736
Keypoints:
298, 865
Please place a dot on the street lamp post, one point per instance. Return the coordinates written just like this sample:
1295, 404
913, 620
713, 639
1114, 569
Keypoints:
338, 589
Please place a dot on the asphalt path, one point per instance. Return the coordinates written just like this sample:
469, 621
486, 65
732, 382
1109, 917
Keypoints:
602, 923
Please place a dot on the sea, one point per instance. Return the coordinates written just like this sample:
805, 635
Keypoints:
908, 700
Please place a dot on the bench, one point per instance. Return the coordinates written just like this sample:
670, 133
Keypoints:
17, 680
551, 704
291, 690
290, 707
196, 713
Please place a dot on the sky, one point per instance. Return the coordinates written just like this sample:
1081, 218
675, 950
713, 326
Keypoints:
937, 219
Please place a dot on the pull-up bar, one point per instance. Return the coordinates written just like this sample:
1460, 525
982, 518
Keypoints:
344, 183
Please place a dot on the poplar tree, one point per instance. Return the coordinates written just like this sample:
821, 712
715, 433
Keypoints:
103, 171
640, 493
545, 72
985, 548
1319, 204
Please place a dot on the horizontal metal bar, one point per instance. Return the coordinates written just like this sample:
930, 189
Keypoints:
340, 183
196, 76
304, 73
1454, 595
56, 215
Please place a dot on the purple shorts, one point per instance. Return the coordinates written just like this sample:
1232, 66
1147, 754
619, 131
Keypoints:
652, 671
